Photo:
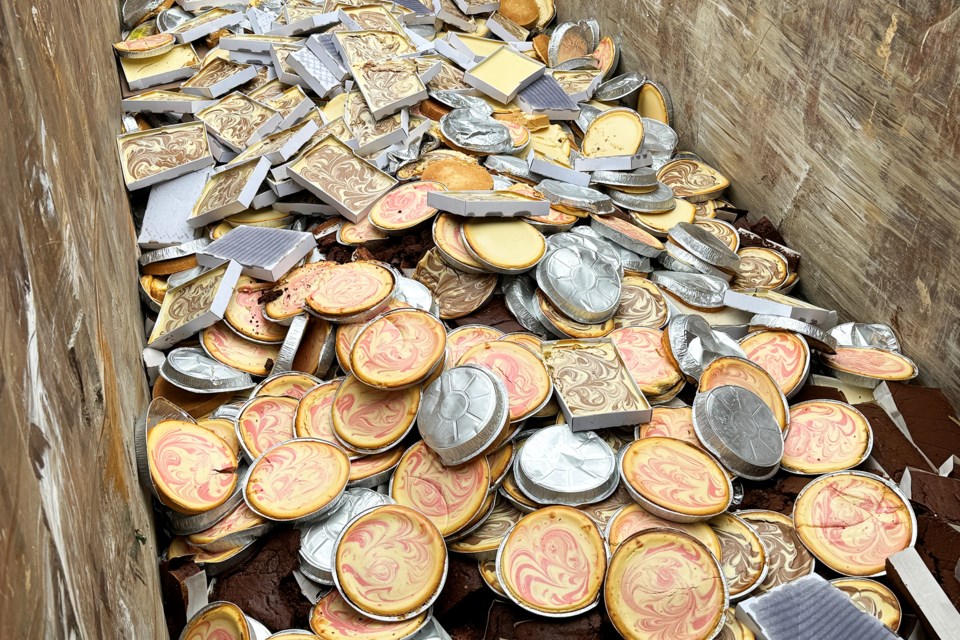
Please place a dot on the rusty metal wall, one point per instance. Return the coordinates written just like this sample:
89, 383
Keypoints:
76, 548
840, 121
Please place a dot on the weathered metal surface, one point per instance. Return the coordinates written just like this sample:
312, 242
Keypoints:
76, 547
840, 121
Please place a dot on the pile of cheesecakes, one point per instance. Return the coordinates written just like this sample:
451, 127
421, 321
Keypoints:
429, 282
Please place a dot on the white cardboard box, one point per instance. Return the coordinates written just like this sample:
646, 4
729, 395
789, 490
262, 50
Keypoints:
263, 252
168, 207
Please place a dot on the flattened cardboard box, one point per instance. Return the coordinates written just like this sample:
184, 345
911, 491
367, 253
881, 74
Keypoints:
758, 301
218, 77
173, 102
194, 305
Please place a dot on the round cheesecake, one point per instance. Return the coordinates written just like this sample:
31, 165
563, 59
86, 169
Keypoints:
500, 461
733, 629
461, 339
615, 132
640, 239
552, 562
297, 479
633, 518
488, 571
662, 222
872, 598
364, 468
692, 179
356, 233
193, 469
825, 436
457, 293
350, 289
743, 556
224, 428
314, 417
760, 268
869, 362
244, 313
671, 422
725, 231
675, 480
510, 491
782, 354
568, 327
399, 349
390, 562
521, 370
449, 241
641, 305
265, 421
404, 207
642, 353
218, 621
738, 372
292, 385
227, 347
528, 340
665, 585
332, 618
369, 420
486, 539
450, 496
347, 334
853, 521
787, 559
292, 290
505, 245
240, 519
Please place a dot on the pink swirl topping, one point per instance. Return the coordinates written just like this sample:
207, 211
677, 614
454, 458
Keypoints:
291, 385
332, 619
449, 496
825, 436
782, 354
405, 206
872, 363
245, 313
315, 412
297, 478
634, 518
194, 470
446, 233
676, 476
522, 371
390, 561
398, 349
240, 519
232, 350
853, 523
459, 341
266, 421
664, 586
354, 233
642, 352
369, 418
351, 288
553, 560
222, 622
671, 422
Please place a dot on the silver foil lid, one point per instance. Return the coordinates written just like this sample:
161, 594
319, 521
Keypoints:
417, 295
704, 245
180, 277
694, 344
580, 31
817, 337
674, 264
170, 253
456, 100
317, 541
629, 260
620, 87
659, 137
190, 368
576, 64
696, 289
462, 413
571, 195
716, 344
660, 199
476, 132
558, 466
687, 261
588, 113
291, 343
518, 293
642, 177
615, 236
502, 183
133, 12
855, 334
511, 166
737, 427
581, 283
170, 19
605, 249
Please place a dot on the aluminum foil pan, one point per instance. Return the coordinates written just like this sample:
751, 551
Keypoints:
694, 344
581, 283
642, 177
181, 277
588, 114
855, 334
575, 64
170, 19
158, 410
629, 260
659, 137
417, 295
558, 466
620, 87
570, 195
577, 240
511, 166
576, 31
456, 100
815, 336
680, 255
171, 253
674, 264
473, 131
317, 540
704, 245
697, 290
660, 199
291, 343
741, 431
462, 413
190, 368
617, 237
518, 295
184, 525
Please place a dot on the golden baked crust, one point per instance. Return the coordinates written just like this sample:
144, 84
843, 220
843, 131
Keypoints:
296, 478
193, 469
398, 349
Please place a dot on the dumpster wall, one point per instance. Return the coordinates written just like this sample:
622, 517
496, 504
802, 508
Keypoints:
838, 121
76, 548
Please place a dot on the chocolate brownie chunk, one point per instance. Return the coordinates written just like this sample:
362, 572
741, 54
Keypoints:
931, 420
464, 596
891, 449
816, 392
939, 546
776, 494
173, 576
493, 314
938, 494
